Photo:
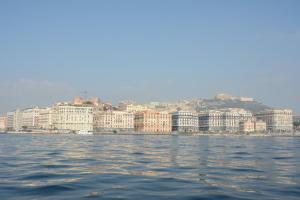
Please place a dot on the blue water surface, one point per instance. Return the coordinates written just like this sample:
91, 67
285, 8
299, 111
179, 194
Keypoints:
148, 167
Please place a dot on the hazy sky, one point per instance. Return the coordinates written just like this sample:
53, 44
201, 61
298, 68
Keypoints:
151, 50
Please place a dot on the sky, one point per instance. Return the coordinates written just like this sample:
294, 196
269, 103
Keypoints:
150, 50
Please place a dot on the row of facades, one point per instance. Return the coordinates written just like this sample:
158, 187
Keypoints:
81, 116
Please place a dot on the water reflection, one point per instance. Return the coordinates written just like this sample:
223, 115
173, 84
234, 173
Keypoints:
135, 167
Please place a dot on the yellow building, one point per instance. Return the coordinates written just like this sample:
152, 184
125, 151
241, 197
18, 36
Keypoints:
260, 126
130, 107
153, 122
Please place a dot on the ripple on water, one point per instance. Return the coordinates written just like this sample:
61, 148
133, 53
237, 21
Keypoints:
148, 167
50, 189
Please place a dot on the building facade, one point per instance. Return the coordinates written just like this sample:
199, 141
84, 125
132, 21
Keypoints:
247, 126
130, 107
277, 120
10, 121
46, 118
260, 126
211, 121
18, 120
3, 123
185, 121
227, 120
118, 121
73, 117
30, 118
153, 122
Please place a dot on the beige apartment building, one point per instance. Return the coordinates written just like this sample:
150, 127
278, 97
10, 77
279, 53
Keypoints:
130, 107
247, 126
3, 123
277, 120
260, 126
73, 117
153, 122
113, 121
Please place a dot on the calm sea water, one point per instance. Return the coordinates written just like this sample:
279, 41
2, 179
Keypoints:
148, 167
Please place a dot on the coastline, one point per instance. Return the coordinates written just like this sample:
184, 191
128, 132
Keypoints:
238, 134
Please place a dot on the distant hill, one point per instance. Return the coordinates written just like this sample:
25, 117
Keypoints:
252, 106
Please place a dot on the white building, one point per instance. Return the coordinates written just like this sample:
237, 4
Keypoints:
73, 117
113, 121
185, 121
46, 118
17, 120
30, 118
211, 120
277, 120
223, 119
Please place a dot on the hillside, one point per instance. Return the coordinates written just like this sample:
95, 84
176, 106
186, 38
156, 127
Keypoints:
252, 106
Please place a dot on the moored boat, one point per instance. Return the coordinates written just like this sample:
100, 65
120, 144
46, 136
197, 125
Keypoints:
85, 132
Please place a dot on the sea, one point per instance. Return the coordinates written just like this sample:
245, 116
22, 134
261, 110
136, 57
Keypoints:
142, 167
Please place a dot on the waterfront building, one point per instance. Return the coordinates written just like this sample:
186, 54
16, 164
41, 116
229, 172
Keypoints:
185, 121
10, 121
211, 121
110, 120
247, 126
17, 120
30, 118
3, 123
153, 122
46, 118
277, 120
223, 119
233, 117
73, 117
260, 126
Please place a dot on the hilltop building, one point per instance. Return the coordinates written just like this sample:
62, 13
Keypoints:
228, 97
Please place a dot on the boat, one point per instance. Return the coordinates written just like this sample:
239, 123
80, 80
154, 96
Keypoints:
85, 132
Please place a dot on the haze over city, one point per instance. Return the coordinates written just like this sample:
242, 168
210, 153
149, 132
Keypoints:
149, 51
